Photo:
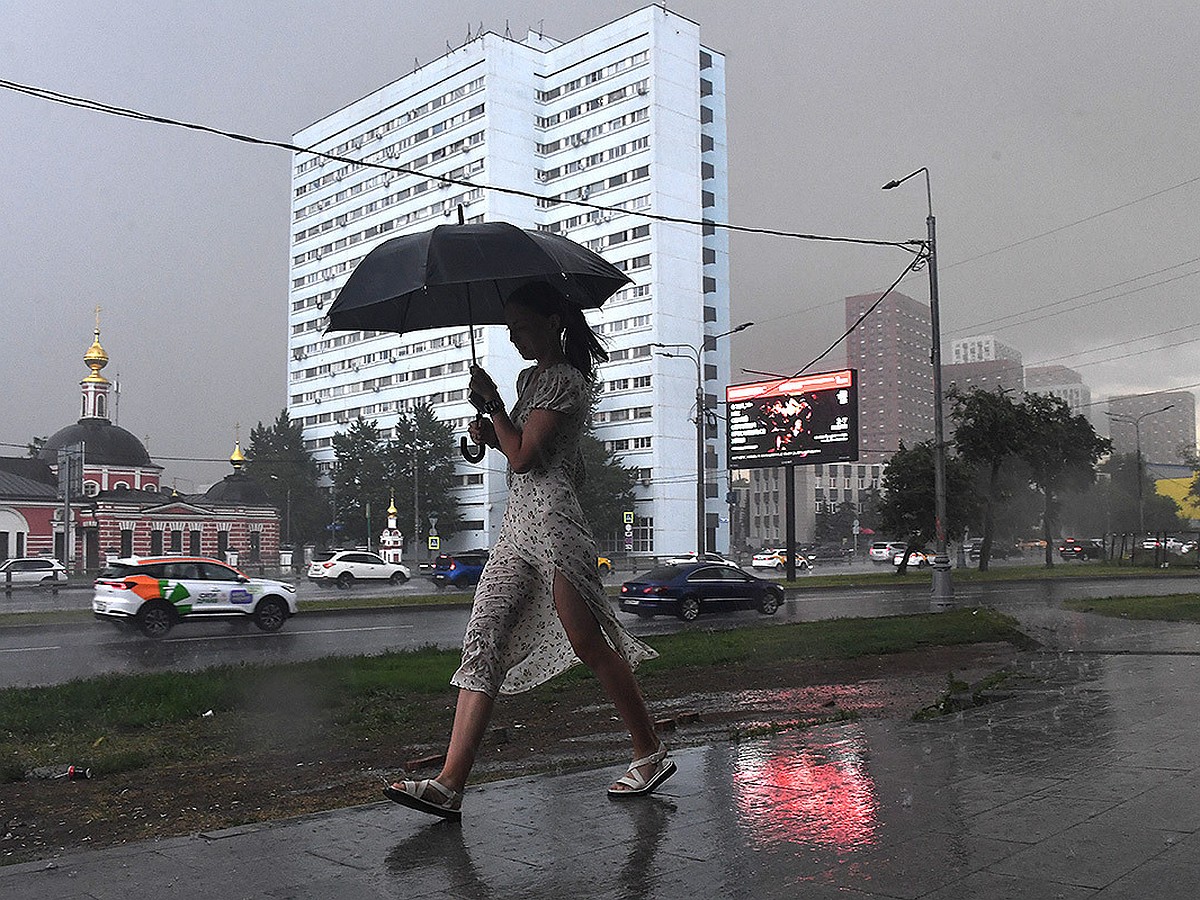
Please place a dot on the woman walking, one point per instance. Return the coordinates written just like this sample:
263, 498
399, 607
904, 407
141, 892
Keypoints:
539, 607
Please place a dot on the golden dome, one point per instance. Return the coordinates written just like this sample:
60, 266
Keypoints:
392, 509
237, 458
96, 359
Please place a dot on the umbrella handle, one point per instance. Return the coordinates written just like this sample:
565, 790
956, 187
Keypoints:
470, 454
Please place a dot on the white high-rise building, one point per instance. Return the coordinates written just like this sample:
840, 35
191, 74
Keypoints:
629, 117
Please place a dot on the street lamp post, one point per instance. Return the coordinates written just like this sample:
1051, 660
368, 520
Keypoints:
1136, 422
943, 587
694, 354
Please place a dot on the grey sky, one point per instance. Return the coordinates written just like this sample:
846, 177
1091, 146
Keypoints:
1030, 116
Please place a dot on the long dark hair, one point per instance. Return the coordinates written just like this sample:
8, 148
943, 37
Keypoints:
581, 345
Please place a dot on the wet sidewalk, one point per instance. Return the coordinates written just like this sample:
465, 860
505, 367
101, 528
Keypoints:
1083, 783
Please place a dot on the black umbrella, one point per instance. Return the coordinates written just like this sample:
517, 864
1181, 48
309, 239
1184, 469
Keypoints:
462, 275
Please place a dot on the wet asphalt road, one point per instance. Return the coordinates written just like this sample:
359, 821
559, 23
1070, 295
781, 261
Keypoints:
39, 654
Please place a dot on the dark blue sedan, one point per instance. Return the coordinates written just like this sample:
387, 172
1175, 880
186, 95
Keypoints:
687, 590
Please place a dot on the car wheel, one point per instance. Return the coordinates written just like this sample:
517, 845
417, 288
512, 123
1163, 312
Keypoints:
778, 567
155, 619
604, 570
803, 566
270, 614
923, 564
689, 609
345, 580
398, 578
770, 603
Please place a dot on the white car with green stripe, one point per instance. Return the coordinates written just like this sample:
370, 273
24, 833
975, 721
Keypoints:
154, 593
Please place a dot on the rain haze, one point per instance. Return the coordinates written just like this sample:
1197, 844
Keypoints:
1061, 140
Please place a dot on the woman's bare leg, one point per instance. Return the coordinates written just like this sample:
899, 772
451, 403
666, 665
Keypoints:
611, 669
471, 717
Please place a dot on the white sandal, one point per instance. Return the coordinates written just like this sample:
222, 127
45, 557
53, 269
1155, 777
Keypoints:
635, 783
413, 795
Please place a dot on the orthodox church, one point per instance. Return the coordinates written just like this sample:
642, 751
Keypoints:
117, 506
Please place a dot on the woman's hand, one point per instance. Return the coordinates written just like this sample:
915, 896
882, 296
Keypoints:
482, 432
482, 384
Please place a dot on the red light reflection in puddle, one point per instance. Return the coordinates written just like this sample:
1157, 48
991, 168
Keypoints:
820, 794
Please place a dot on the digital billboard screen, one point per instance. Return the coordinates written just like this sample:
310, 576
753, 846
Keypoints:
806, 420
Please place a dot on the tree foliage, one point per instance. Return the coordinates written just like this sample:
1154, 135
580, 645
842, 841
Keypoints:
422, 460
1061, 450
1111, 505
988, 436
834, 527
607, 491
416, 467
907, 508
279, 462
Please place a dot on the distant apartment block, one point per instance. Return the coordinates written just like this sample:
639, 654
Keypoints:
1068, 385
981, 348
891, 351
1167, 436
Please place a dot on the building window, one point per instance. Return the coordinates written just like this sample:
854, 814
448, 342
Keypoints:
222, 544
126, 542
156, 543
706, 115
643, 535
194, 542
255, 546
176, 541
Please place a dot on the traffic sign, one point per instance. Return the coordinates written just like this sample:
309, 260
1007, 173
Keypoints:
628, 517
435, 542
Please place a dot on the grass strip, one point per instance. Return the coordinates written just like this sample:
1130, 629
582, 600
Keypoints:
1175, 608
127, 722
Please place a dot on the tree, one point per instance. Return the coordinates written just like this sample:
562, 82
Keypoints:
1061, 450
607, 490
907, 507
834, 527
421, 461
286, 471
360, 480
988, 435
1112, 504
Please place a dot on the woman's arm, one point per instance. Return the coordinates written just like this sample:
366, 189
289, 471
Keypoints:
522, 446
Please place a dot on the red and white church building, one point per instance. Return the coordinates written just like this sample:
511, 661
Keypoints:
123, 510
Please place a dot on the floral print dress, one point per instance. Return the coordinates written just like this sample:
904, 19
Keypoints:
514, 640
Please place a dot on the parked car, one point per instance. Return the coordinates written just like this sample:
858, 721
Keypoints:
32, 570
603, 565
777, 560
1000, 549
459, 570
832, 553
918, 559
688, 590
1092, 548
155, 593
344, 567
883, 552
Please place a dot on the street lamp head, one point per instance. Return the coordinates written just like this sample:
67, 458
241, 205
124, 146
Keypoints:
890, 185
742, 327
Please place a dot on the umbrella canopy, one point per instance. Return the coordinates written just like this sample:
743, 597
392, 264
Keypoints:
462, 274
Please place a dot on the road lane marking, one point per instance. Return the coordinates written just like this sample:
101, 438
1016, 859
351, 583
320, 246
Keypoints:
222, 637
28, 649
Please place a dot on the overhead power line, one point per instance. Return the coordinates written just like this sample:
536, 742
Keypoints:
124, 112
